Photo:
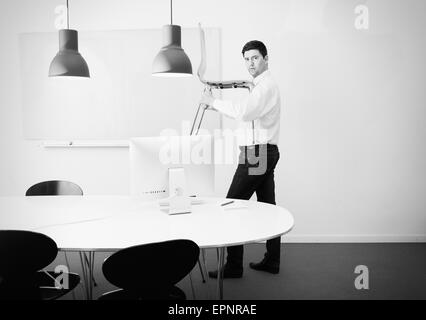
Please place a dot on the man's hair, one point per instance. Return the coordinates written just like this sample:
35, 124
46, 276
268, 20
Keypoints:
255, 44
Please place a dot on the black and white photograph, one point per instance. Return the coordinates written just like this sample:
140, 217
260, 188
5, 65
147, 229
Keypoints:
212, 155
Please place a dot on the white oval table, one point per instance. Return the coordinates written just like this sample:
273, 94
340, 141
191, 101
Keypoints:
109, 223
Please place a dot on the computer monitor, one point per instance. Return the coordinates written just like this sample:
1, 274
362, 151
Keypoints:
151, 159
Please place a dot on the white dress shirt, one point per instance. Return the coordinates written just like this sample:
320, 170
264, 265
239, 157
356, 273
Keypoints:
258, 113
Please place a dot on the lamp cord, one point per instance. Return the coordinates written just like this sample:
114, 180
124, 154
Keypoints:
171, 11
68, 16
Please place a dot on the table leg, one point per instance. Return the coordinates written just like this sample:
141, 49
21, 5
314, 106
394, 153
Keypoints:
91, 264
69, 270
87, 272
192, 285
220, 264
201, 270
87, 261
84, 274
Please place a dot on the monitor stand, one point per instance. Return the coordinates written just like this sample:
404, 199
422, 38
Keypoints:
179, 201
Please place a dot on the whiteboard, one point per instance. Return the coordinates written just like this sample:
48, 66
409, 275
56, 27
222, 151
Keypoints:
121, 99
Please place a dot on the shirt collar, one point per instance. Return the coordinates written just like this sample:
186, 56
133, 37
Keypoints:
261, 76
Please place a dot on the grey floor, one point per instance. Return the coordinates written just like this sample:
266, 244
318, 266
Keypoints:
308, 271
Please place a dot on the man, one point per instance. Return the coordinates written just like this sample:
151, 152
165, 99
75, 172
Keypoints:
259, 117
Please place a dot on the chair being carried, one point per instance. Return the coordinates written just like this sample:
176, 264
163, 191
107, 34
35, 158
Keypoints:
209, 84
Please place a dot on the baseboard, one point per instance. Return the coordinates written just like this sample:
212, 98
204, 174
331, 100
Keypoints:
342, 238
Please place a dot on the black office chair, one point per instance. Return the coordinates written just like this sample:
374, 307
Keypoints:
54, 188
150, 271
22, 255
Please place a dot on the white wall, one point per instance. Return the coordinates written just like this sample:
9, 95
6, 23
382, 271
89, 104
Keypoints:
353, 123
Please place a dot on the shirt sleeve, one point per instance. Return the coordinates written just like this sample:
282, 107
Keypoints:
258, 103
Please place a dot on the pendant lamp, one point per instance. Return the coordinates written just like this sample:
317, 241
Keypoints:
172, 60
68, 61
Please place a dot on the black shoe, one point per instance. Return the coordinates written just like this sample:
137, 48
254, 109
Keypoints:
265, 266
227, 273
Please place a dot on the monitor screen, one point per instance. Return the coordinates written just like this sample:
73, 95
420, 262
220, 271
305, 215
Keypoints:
151, 158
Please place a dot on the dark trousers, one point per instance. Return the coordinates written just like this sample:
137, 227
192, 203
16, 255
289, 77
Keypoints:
255, 173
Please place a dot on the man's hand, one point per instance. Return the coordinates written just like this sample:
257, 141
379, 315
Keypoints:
207, 99
250, 85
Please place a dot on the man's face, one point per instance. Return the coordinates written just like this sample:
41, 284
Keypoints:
255, 63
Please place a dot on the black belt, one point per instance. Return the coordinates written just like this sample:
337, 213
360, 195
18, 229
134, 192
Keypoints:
257, 146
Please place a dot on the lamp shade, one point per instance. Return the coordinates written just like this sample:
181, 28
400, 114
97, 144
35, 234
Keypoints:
172, 59
68, 61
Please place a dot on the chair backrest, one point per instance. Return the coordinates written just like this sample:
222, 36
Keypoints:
151, 267
54, 188
24, 252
